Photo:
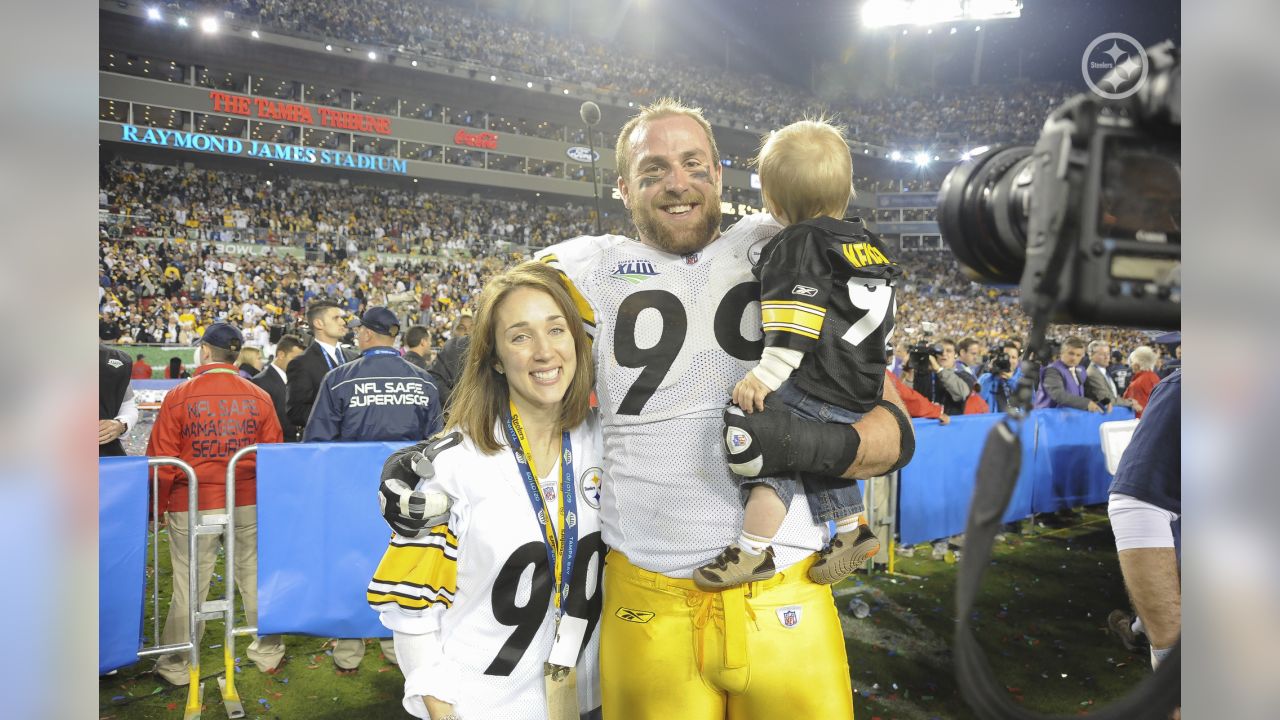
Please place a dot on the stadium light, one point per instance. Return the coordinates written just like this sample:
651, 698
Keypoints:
895, 156
414, 63
209, 25
922, 159
373, 55
566, 91
953, 31
976, 28
182, 22
529, 84
254, 34
154, 14
328, 48
922, 13
493, 78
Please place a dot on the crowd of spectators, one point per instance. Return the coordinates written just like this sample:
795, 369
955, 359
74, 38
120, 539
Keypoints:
221, 206
165, 291
934, 290
1008, 113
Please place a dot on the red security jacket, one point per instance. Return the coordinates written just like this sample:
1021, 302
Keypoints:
203, 422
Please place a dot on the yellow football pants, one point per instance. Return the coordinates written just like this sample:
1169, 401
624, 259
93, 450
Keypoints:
762, 651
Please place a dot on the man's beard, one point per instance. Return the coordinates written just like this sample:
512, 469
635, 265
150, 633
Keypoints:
653, 231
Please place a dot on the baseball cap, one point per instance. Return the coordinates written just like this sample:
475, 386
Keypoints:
379, 320
222, 335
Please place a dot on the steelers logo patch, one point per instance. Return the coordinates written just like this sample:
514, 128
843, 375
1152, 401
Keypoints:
589, 486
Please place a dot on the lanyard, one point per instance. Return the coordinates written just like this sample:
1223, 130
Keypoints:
328, 359
560, 550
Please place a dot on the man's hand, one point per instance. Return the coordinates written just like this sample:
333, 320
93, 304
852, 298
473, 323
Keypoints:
109, 430
749, 393
944, 418
933, 363
1094, 407
881, 444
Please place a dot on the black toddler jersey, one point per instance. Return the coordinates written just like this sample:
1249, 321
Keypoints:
827, 289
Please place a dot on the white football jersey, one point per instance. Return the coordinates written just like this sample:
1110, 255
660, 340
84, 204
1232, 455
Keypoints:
484, 584
673, 335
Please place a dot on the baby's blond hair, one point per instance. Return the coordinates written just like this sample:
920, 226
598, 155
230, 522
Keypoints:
806, 171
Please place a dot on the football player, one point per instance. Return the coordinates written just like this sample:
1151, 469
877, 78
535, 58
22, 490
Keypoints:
676, 324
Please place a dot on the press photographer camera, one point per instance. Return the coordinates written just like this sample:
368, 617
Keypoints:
1088, 222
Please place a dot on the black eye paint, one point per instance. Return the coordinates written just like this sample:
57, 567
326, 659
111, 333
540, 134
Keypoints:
701, 174
647, 181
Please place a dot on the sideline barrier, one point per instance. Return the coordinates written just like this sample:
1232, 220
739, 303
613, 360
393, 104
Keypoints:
1062, 466
1074, 469
122, 559
935, 488
320, 537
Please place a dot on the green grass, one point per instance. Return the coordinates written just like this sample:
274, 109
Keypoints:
1041, 619
158, 357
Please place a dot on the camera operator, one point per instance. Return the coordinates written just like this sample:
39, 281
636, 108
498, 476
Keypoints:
952, 384
918, 406
1098, 385
1062, 382
1002, 376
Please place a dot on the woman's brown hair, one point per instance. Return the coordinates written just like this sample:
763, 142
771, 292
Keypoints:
480, 398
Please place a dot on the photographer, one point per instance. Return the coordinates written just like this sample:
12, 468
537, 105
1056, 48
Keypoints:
1062, 382
951, 384
1002, 376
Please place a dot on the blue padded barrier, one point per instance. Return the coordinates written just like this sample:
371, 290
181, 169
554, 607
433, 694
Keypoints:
320, 537
122, 558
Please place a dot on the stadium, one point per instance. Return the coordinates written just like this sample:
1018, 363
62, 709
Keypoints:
265, 162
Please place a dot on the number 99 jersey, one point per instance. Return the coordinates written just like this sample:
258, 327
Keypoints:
672, 335
483, 583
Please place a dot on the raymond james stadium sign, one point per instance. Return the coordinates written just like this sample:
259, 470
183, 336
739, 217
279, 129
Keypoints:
236, 147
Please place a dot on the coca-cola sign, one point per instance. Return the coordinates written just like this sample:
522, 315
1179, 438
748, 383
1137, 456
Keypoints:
482, 140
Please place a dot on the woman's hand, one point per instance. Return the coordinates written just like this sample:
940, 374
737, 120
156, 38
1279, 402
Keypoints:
439, 710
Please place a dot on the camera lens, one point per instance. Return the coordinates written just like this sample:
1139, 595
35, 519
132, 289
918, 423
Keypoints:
982, 213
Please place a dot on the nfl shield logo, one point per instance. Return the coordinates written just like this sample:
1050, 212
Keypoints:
789, 616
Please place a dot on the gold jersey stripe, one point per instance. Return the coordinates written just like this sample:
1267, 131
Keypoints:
792, 303
806, 319
584, 307
420, 565
796, 329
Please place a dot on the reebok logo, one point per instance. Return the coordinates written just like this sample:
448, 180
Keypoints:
635, 271
804, 290
635, 616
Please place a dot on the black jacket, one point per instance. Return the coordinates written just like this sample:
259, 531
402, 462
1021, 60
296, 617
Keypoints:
305, 375
271, 381
115, 368
447, 368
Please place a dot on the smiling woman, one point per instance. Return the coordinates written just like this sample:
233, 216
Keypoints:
520, 422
